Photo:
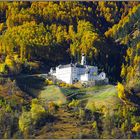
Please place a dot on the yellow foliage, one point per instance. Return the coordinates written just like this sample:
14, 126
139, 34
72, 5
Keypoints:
62, 84
37, 110
136, 128
129, 52
123, 71
81, 113
59, 103
94, 125
123, 127
24, 121
121, 90
105, 110
91, 106
130, 73
16, 57
49, 82
12, 65
1, 26
51, 106
9, 61
2, 68
73, 103
136, 60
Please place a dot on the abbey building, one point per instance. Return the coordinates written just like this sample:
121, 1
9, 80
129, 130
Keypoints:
83, 73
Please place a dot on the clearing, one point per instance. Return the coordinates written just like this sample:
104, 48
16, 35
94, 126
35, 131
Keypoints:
101, 95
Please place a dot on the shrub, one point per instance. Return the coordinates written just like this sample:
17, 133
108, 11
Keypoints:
49, 82
52, 107
59, 103
62, 84
8, 121
91, 106
73, 103
37, 110
3, 68
81, 113
34, 117
94, 125
25, 121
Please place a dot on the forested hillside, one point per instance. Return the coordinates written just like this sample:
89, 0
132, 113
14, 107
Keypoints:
58, 32
35, 36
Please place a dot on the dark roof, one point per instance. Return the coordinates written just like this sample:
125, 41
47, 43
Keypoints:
80, 66
71, 65
66, 66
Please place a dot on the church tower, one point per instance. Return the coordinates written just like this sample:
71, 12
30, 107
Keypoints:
83, 60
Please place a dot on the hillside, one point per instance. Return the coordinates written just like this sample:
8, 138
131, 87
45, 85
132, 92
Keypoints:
35, 36
52, 93
102, 95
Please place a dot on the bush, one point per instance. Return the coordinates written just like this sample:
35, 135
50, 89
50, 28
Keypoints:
49, 82
37, 110
52, 107
62, 84
8, 122
33, 118
3, 68
59, 103
81, 113
73, 103
25, 121
91, 106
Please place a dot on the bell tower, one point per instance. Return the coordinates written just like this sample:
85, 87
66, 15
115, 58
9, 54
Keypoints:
83, 60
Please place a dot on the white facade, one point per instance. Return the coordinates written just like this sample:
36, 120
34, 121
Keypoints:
72, 73
64, 74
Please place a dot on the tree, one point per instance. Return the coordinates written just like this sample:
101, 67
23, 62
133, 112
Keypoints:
121, 91
37, 110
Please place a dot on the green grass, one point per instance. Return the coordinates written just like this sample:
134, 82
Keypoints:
68, 91
101, 95
105, 93
106, 96
95, 88
52, 93
31, 84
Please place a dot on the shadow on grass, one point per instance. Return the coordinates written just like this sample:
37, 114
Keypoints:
26, 84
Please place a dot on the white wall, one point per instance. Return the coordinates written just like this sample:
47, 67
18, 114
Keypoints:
64, 74
69, 74
84, 77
